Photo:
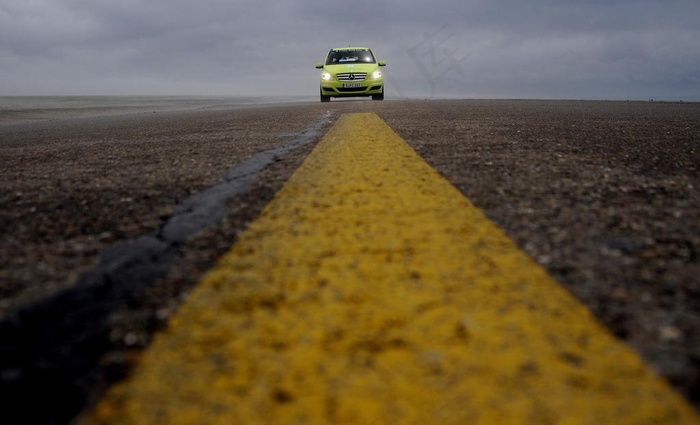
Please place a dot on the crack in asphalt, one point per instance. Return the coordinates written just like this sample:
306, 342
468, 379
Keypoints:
51, 350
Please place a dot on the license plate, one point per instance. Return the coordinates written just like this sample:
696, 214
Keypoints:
351, 85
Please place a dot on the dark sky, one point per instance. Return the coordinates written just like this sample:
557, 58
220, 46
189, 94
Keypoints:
583, 49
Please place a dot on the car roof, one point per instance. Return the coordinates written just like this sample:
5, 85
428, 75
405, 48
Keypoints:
349, 48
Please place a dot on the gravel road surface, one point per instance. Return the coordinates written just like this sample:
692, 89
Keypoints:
603, 194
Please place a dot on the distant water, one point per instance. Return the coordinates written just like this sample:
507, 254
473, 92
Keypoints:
32, 108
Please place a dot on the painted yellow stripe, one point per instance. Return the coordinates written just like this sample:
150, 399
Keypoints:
370, 291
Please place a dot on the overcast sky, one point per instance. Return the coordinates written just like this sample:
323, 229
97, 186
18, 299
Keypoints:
583, 49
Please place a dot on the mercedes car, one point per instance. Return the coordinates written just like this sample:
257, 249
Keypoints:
351, 72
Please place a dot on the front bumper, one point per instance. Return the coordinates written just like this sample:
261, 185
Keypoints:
364, 88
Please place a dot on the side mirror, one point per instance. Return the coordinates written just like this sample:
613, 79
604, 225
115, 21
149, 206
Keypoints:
319, 65
381, 63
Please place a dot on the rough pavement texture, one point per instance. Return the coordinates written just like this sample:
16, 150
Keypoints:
603, 194
71, 189
370, 291
72, 337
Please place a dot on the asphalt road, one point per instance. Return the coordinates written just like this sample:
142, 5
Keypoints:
603, 194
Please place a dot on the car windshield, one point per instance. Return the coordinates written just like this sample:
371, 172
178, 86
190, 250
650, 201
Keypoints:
337, 57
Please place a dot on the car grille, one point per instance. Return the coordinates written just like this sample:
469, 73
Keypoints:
351, 76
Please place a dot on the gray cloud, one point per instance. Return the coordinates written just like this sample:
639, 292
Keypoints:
477, 48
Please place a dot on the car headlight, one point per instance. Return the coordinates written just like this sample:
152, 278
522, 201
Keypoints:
326, 76
377, 74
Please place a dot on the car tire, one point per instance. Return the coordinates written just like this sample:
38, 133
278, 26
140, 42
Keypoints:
325, 98
379, 96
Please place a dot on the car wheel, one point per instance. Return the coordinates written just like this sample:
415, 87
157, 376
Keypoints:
379, 96
325, 98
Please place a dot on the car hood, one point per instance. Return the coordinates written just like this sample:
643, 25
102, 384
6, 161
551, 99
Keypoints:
351, 67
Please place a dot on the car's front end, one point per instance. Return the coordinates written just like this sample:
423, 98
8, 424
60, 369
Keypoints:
351, 72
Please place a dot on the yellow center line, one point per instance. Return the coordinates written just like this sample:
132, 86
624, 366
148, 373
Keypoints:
370, 291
